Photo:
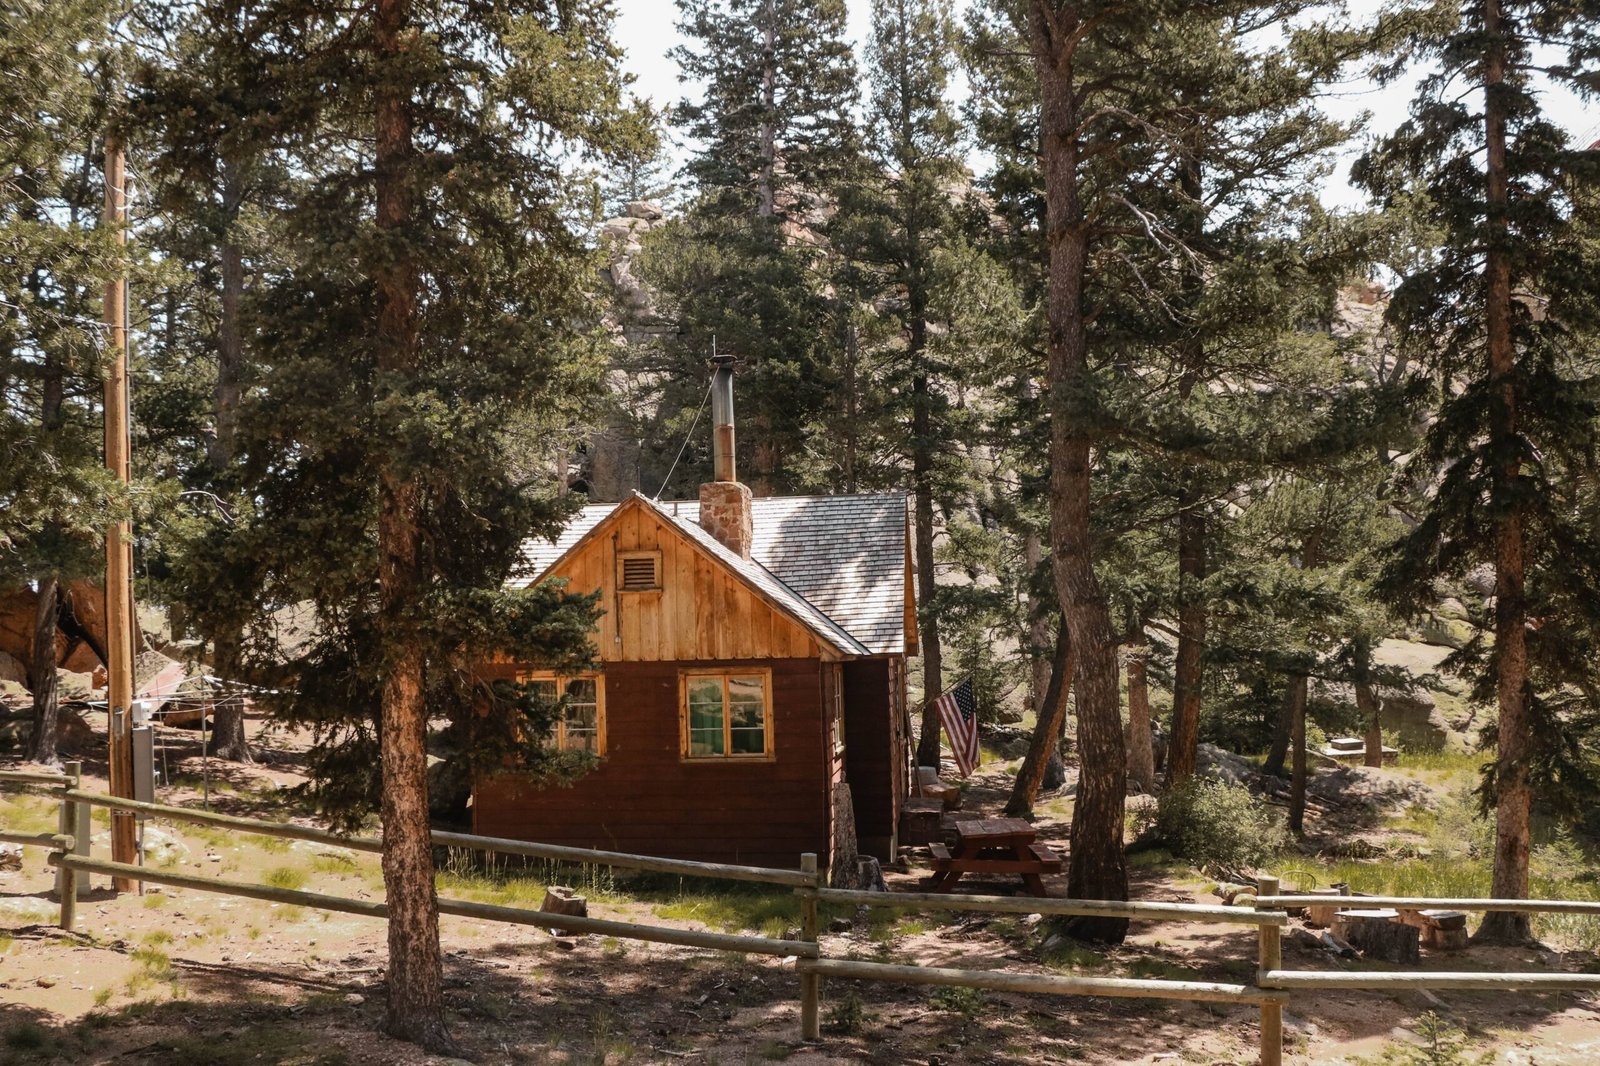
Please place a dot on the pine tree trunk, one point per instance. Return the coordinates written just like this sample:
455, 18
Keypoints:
927, 583
1367, 706
416, 1002
1039, 615
1297, 782
1185, 741
1513, 797
1183, 745
228, 740
47, 611
1098, 867
1141, 748
42, 675
1046, 731
1282, 734
766, 198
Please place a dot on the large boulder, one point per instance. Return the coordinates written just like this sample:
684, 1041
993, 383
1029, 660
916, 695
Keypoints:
1416, 718
13, 669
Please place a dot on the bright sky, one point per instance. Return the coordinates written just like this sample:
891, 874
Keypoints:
645, 28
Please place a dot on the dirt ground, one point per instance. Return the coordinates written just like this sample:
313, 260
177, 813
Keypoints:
177, 976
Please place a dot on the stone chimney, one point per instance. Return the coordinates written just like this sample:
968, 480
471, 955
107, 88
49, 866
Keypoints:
724, 503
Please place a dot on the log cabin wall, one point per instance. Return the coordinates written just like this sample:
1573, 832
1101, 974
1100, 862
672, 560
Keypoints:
645, 798
699, 611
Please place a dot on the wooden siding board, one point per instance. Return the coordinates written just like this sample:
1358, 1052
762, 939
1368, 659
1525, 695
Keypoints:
870, 751
703, 611
644, 798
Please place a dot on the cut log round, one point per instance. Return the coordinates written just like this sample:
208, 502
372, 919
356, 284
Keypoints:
1378, 934
559, 899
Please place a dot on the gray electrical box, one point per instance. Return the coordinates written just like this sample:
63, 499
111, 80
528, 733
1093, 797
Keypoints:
144, 764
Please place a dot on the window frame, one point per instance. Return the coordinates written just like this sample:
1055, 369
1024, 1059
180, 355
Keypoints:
833, 689
557, 741
769, 740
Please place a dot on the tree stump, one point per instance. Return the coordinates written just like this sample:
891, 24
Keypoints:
1379, 934
1440, 929
559, 899
845, 868
1323, 915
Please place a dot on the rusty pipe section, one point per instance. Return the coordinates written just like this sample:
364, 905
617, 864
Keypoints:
722, 418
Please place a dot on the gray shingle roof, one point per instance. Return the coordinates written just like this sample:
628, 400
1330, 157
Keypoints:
837, 562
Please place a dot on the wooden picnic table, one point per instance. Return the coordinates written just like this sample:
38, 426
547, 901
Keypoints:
994, 846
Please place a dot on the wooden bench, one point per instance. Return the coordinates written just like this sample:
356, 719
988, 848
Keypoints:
941, 855
1051, 861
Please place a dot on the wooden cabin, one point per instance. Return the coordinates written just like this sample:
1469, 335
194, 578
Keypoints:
751, 676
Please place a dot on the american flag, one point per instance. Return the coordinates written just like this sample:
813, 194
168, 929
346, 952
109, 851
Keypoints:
958, 710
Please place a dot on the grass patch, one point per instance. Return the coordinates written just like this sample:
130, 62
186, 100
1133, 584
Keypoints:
1160, 969
156, 963
154, 900
1073, 957
967, 1002
27, 1035
1456, 860
329, 863
287, 877
258, 1044
156, 937
732, 910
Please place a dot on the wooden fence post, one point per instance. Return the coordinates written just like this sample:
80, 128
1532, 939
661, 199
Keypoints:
67, 879
1270, 958
810, 983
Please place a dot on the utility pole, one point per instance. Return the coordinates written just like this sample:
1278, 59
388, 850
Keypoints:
119, 536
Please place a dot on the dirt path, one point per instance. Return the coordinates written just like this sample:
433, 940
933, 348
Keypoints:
184, 977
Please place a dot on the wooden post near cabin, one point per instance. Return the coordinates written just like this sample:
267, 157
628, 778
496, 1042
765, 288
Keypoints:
67, 879
810, 983
1270, 958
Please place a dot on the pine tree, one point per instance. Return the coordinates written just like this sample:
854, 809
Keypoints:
431, 290
1502, 312
915, 143
55, 497
750, 266
209, 118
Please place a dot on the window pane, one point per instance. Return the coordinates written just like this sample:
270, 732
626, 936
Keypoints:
745, 690
748, 716
705, 709
749, 741
581, 690
543, 689
705, 741
582, 740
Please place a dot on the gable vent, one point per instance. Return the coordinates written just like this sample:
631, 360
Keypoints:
641, 571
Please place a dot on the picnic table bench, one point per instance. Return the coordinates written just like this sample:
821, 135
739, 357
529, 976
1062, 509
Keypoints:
994, 846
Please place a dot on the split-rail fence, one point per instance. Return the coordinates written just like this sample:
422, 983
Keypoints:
1271, 990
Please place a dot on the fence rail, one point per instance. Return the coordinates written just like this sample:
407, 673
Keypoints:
1273, 987
1521, 906
1178, 912
498, 845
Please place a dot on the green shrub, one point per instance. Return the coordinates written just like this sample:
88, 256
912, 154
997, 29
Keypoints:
847, 1015
1211, 822
1438, 1044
